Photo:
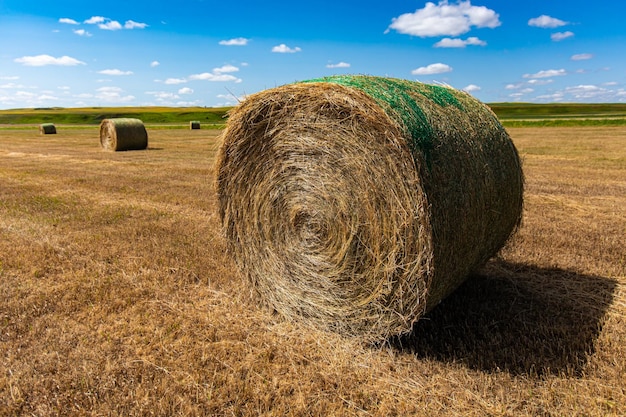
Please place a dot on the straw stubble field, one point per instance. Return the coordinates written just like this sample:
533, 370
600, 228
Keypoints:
117, 296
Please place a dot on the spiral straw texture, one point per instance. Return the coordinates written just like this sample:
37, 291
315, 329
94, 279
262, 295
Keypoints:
357, 203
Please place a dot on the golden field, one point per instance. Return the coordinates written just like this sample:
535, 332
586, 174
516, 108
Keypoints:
117, 296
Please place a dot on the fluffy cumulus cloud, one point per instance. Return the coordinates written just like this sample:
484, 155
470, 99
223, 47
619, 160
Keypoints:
546, 73
162, 95
339, 65
113, 95
155, 64
110, 25
174, 81
82, 32
459, 43
284, 49
131, 24
68, 21
545, 21
431, 69
225, 68
185, 90
471, 88
115, 72
540, 81
221, 74
105, 23
235, 42
559, 36
44, 60
444, 19
94, 20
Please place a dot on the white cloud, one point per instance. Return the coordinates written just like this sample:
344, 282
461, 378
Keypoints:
105, 23
10, 77
113, 95
284, 49
131, 24
163, 95
546, 74
155, 64
68, 21
115, 72
471, 88
437, 68
235, 42
82, 32
586, 92
225, 68
445, 19
581, 57
110, 25
339, 65
43, 60
230, 99
95, 20
174, 81
46, 97
559, 36
536, 81
11, 86
185, 90
459, 43
210, 76
545, 21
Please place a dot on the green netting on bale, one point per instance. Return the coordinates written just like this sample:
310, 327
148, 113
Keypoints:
396, 98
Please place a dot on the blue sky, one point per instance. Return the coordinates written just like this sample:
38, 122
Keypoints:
71, 53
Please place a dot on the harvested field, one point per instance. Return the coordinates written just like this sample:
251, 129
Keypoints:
117, 296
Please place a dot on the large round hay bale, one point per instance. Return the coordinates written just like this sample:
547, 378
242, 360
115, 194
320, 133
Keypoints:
47, 129
358, 203
194, 124
123, 134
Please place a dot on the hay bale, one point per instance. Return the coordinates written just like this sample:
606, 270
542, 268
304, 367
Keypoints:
194, 125
123, 134
356, 203
47, 129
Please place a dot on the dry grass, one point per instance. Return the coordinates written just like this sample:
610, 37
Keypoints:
116, 296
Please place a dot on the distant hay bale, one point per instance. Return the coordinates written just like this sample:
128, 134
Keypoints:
356, 204
47, 129
194, 125
123, 134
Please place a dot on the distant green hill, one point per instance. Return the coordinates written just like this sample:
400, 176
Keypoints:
511, 114
94, 115
560, 114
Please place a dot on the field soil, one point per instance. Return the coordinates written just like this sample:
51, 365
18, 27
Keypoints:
117, 296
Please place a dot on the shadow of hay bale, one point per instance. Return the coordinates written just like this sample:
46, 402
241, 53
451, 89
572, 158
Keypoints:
516, 318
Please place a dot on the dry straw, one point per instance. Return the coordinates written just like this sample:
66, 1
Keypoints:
194, 125
357, 203
47, 129
123, 134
